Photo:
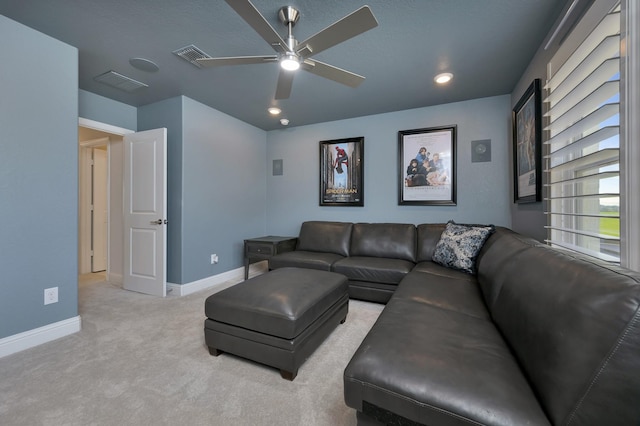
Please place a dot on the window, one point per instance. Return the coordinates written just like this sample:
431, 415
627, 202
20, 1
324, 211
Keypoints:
582, 137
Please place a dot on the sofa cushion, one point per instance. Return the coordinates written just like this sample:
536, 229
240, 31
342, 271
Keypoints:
495, 263
447, 291
458, 370
325, 237
460, 244
428, 235
386, 240
574, 325
436, 269
371, 292
304, 259
373, 269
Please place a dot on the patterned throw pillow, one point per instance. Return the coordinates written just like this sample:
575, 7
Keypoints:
460, 244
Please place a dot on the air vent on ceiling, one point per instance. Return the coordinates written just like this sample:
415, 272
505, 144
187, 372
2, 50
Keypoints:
190, 54
119, 81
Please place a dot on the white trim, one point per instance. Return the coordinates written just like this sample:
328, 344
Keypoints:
96, 125
95, 142
38, 336
630, 151
84, 211
212, 282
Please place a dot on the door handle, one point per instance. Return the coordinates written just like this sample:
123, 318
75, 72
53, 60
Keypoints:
157, 222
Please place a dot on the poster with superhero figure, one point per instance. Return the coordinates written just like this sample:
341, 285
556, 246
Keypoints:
341, 172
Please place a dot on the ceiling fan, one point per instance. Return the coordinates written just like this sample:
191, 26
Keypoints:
293, 55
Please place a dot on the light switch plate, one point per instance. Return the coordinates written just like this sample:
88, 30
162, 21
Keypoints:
277, 168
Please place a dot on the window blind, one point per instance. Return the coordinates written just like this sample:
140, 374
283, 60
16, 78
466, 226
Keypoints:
582, 144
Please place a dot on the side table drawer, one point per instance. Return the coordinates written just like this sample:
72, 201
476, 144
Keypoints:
260, 249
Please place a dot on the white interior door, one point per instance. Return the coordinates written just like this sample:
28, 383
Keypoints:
99, 212
145, 211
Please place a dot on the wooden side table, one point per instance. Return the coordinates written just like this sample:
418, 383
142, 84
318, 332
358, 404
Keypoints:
262, 248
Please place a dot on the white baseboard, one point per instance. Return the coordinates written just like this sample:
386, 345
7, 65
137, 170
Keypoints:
213, 281
37, 336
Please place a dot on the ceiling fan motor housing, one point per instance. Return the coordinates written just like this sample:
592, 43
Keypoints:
289, 15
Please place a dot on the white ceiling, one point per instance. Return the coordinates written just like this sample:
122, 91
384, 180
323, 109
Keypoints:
486, 44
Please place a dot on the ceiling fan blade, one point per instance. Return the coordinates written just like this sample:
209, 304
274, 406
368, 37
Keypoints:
332, 73
254, 18
236, 60
285, 81
350, 26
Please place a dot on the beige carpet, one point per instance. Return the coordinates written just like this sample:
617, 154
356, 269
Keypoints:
141, 360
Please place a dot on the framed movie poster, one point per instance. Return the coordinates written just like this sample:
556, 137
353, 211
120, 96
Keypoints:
527, 136
427, 166
341, 172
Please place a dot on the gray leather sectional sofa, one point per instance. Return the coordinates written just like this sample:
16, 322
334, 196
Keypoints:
537, 336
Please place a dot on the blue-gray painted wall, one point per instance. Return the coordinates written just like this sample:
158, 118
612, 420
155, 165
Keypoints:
224, 189
38, 179
482, 190
104, 110
216, 186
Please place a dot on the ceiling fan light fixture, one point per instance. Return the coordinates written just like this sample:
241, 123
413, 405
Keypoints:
290, 62
443, 78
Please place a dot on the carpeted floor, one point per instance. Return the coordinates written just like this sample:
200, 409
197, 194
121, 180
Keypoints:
141, 360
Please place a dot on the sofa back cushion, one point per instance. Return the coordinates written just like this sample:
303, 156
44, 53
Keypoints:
495, 261
391, 240
326, 237
428, 236
574, 326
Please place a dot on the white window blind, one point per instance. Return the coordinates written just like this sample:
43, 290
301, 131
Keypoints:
582, 144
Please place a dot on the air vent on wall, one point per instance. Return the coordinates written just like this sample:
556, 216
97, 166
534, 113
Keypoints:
119, 81
190, 54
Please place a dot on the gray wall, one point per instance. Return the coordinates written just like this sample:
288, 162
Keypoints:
529, 218
168, 113
483, 192
104, 110
38, 179
216, 168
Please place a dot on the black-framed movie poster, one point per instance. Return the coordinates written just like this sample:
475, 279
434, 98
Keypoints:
427, 166
342, 172
527, 146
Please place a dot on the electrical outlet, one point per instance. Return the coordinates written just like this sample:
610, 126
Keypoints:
50, 295
214, 259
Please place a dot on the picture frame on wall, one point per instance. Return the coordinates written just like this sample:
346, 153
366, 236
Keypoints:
427, 166
342, 172
527, 146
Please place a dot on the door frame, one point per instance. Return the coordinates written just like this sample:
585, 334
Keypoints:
84, 205
115, 130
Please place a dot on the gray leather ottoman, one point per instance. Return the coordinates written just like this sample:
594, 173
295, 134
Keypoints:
278, 318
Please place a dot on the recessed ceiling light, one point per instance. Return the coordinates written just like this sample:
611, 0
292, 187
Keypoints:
284, 121
274, 111
443, 78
